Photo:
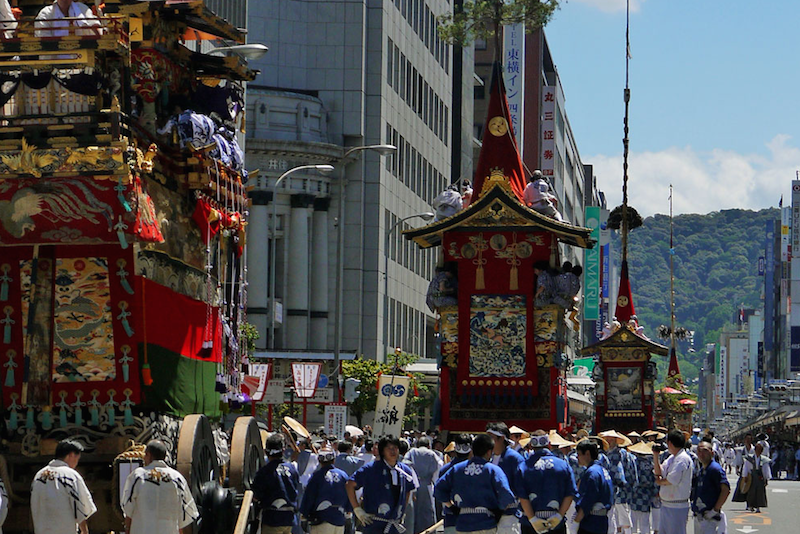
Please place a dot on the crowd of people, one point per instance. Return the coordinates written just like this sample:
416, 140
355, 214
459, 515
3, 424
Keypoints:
503, 481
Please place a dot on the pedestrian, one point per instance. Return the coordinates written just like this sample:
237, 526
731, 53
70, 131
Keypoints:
674, 476
324, 503
276, 486
476, 490
757, 466
156, 498
426, 464
742, 452
387, 486
462, 448
645, 491
510, 462
596, 491
619, 458
349, 464
545, 488
710, 490
4, 504
60, 500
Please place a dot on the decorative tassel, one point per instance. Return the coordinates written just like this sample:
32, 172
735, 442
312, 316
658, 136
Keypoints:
480, 283
10, 365
127, 418
7, 322
120, 227
62, 414
123, 318
120, 189
94, 409
4, 280
123, 276
29, 421
124, 361
47, 418
147, 377
111, 407
77, 406
513, 282
12, 408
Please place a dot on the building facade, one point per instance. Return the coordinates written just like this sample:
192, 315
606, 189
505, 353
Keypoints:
341, 75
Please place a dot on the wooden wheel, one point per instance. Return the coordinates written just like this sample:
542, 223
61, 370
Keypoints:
197, 453
247, 453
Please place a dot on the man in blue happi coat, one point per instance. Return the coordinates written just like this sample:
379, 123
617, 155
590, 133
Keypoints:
622, 461
710, 490
509, 461
325, 500
596, 491
349, 464
545, 488
387, 486
645, 492
276, 487
477, 488
462, 449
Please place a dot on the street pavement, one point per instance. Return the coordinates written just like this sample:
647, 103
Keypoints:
781, 516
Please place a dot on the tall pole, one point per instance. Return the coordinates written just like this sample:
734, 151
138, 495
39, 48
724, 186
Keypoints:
337, 320
425, 216
273, 248
672, 339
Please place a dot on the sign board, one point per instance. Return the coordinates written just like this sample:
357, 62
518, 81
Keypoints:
794, 351
548, 139
306, 377
390, 408
514, 77
591, 268
274, 392
335, 419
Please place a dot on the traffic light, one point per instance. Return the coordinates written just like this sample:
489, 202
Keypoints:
350, 391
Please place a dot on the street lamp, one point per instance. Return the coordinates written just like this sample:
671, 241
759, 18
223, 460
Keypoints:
383, 150
426, 216
247, 51
320, 168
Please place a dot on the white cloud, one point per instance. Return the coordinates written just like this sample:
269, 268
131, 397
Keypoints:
611, 6
702, 181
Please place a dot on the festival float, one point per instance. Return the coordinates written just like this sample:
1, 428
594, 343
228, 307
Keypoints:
123, 208
501, 350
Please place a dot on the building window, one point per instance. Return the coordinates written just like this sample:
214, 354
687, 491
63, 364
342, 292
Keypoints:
389, 61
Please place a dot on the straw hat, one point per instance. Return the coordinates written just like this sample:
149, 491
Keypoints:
557, 441
653, 434
634, 434
295, 425
621, 439
642, 447
600, 441
450, 447
517, 430
523, 443
582, 433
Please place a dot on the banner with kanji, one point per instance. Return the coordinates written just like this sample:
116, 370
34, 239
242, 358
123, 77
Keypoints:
391, 406
256, 382
306, 377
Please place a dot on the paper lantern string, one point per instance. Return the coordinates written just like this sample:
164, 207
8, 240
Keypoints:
78, 407
7, 322
120, 227
10, 365
124, 360
4, 281
12, 409
120, 189
123, 318
64, 405
123, 276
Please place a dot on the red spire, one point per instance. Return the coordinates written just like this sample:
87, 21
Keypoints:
499, 148
624, 309
673, 363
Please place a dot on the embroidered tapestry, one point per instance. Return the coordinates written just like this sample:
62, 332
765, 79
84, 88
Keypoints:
624, 388
83, 341
497, 326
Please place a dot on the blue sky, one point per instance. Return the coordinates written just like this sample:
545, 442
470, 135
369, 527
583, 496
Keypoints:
715, 88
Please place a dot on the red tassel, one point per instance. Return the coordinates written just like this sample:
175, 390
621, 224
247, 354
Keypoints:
147, 377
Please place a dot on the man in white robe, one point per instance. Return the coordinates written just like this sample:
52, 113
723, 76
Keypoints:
50, 17
157, 499
60, 500
7, 21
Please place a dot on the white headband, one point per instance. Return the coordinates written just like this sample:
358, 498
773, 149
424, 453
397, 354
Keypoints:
464, 448
538, 442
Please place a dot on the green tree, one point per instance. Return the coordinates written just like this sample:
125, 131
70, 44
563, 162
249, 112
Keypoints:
482, 18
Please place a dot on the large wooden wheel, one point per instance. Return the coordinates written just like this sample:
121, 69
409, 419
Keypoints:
247, 453
197, 453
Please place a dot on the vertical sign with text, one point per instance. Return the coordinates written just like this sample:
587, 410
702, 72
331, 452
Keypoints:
514, 77
548, 141
335, 419
390, 408
591, 268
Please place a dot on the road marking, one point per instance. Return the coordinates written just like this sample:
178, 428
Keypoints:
780, 491
751, 519
747, 529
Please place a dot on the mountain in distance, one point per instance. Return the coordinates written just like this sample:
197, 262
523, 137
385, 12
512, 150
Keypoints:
716, 272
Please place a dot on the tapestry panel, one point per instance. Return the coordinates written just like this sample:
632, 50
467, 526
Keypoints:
497, 326
83, 344
624, 388
36, 280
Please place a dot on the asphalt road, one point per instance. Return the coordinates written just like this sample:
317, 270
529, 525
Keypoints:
781, 516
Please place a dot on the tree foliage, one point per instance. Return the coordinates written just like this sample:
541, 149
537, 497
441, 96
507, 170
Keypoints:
369, 371
481, 19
